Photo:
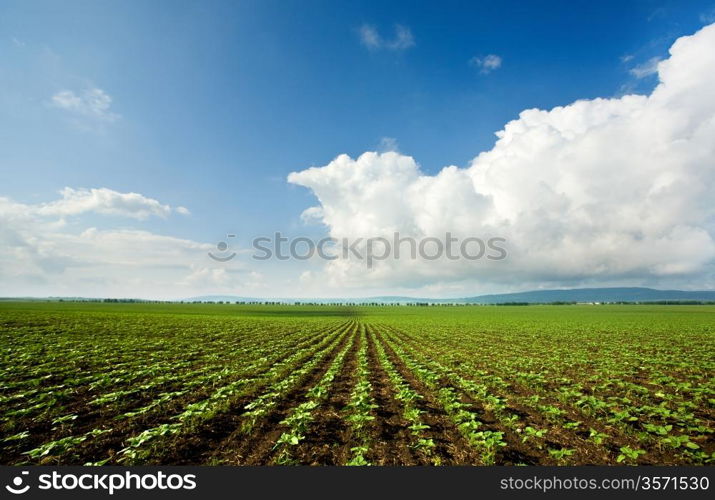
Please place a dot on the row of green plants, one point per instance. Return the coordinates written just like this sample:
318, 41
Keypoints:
280, 378
299, 420
561, 401
359, 410
408, 398
225, 382
486, 442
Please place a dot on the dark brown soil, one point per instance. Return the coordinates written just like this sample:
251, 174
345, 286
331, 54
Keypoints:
449, 443
222, 440
587, 452
256, 448
107, 445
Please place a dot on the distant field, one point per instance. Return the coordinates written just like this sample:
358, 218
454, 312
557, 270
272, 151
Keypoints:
250, 385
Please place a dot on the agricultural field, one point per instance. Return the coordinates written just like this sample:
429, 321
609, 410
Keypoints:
127, 384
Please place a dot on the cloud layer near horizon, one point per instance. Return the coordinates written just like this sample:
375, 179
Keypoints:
45, 250
598, 190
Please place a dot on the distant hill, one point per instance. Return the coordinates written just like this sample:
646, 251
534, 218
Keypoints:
634, 294
627, 294
227, 298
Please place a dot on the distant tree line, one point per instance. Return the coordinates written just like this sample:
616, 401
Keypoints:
370, 303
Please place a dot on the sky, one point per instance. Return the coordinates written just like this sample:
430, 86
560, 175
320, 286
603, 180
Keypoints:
135, 136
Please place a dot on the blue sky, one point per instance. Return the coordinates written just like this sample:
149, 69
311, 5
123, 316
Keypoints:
213, 104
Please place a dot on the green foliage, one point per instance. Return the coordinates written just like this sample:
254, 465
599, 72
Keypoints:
148, 377
530, 433
562, 454
629, 455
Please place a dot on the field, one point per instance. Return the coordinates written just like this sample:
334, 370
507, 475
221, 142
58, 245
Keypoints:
255, 385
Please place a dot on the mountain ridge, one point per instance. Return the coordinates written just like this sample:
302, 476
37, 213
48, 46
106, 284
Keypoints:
591, 295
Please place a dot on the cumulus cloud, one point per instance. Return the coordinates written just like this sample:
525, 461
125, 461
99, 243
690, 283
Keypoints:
597, 191
486, 64
371, 38
92, 103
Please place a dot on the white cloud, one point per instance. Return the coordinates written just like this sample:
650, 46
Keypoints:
604, 190
403, 39
107, 202
371, 38
650, 67
486, 64
207, 277
41, 254
92, 103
